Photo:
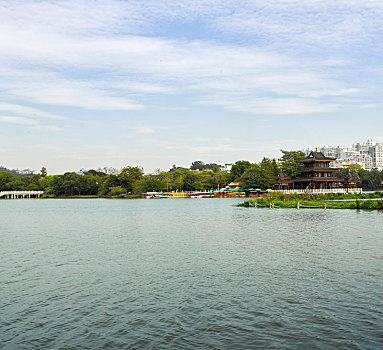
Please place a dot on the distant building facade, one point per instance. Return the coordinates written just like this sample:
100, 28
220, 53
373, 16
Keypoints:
105, 170
226, 167
369, 155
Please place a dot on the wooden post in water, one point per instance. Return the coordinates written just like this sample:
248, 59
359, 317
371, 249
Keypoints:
298, 205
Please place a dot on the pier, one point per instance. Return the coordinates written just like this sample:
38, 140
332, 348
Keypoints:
20, 194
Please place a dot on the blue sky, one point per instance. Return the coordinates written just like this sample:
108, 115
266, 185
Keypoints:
156, 83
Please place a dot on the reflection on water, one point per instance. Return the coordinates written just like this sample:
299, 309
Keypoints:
188, 273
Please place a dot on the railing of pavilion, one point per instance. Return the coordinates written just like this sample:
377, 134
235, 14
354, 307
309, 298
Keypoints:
314, 191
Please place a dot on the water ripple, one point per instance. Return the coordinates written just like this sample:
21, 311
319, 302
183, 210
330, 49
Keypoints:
140, 274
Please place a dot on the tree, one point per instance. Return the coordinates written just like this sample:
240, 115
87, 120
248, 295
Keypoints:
256, 177
270, 166
51, 185
189, 180
355, 170
43, 172
177, 179
72, 184
116, 191
203, 180
371, 180
149, 183
288, 162
32, 183
90, 184
94, 173
129, 176
107, 182
239, 168
165, 177
220, 179
10, 182
197, 165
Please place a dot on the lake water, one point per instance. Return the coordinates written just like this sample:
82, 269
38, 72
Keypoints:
188, 274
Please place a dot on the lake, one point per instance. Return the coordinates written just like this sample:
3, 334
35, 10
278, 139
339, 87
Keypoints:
188, 274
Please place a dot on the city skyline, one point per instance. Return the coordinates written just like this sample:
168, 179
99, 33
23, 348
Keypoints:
367, 154
116, 83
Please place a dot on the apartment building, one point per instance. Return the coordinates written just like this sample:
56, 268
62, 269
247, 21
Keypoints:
368, 155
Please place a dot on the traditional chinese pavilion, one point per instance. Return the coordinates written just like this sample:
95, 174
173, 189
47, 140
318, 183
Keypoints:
282, 182
316, 173
350, 181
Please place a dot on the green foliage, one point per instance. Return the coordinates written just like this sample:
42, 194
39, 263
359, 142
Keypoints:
116, 191
129, 176
90, 184
256, 177
355, 170
71, 184
43, 172
270, 166
288, 162
5, 180
94, 173
205, 177
107, 183
199, 165
239, 168
150, 183
368, 204
314, 202
371, 180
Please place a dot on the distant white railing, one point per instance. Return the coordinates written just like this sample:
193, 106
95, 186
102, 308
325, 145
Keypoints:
20, 194
329, 190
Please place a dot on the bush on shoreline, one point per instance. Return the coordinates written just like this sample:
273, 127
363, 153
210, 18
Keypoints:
319, 201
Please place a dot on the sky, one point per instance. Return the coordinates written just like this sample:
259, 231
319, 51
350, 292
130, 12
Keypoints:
88, 84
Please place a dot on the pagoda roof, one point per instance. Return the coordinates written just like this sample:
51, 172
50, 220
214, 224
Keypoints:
281, 175
282, 181
316, 156
351, 178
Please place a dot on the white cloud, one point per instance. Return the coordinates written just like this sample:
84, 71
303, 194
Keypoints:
340, 92
52, 89
88, 61
218, 148
144, 130
17, 120
309, 24
28, 111
47, 128
202, 139
100, 56
276, 106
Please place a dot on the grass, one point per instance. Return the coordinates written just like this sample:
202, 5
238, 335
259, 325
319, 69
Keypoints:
317, 201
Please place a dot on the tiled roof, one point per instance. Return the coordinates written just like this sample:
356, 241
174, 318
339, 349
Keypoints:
316, 156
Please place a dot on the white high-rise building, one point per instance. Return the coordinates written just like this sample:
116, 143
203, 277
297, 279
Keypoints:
368, 154
377, 155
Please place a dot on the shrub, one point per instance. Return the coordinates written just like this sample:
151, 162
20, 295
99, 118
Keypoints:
117, 190
369, 204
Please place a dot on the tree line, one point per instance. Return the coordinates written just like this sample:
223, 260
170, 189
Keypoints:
200, 176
